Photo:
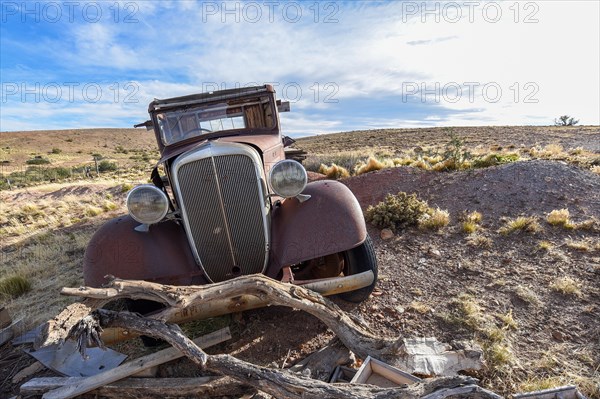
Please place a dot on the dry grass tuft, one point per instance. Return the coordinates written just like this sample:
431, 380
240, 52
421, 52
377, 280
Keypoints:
421, 164
560, 217
92, 211
527, 295
545, 245
527, 224
372, 165
552, 150
508, 320
567, 286
419, 307
479, 241
435, 220
583, 245
334, 171
471, 222
14, 285
595, 169
126, 187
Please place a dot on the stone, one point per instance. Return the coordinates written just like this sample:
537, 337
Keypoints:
386, 234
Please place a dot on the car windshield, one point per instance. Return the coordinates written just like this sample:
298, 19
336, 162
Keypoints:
197, 120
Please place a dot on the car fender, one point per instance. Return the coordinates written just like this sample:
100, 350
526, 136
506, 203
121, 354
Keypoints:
330, 221
161, 254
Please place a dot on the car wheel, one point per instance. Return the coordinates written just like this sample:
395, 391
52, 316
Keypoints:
358, 260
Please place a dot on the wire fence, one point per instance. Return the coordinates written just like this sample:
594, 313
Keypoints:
34, 172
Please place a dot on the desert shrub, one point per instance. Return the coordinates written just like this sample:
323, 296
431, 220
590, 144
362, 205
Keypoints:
107, 166
37, 161
565, 120
522, 223
371, 165
334, 171
455, 153
56, 151
14, 285
120, 150
435, 220
397, 211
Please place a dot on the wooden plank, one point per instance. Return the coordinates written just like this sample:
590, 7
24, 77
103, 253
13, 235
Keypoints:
157, 388
38, 386
378, 373
5, 319
135, 366
27, 371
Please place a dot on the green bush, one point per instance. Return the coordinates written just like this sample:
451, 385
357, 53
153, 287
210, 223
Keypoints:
14, 285
107, 166
56, 151
495, 159
397, 211
37, 161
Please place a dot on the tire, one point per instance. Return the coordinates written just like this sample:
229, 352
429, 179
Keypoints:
358, 260
144, 307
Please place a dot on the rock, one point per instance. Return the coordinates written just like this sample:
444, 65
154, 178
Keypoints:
435, 253
557, 335
386, 234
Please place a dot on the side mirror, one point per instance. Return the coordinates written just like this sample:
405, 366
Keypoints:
148, 125
283, 106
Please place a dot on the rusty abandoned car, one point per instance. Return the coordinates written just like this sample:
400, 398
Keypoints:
225, 202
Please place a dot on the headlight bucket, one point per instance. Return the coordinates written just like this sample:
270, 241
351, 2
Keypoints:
147, 204
288, 178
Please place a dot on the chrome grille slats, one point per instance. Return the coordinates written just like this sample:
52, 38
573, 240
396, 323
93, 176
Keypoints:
239, 189
220, 192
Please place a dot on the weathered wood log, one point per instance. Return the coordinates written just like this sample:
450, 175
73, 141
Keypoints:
132, 388
54, 331
279, 383
355, 336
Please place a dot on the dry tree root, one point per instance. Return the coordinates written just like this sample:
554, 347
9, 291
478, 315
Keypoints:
355, 336
279, 383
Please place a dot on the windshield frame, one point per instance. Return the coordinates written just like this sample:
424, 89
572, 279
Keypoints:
215, 108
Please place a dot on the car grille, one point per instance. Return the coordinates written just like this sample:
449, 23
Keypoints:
223, 203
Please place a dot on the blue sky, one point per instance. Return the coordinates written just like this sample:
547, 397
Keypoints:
343, 65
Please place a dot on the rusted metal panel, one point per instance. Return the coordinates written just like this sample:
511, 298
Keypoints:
161, 255
331, 221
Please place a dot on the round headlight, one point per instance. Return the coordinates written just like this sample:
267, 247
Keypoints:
147, 204
288, 178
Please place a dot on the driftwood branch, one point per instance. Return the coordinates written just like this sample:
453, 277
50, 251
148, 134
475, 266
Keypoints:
279, 383
354, 335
